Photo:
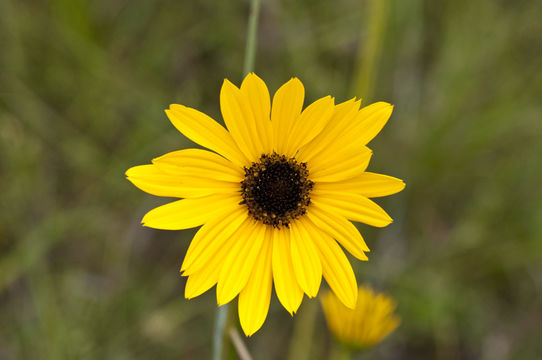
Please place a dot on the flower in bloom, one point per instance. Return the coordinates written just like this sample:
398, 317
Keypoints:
367, 324
274, 195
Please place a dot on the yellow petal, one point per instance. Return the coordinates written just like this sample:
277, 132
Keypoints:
152, 180
352, 206
256, 91
367, 184
339, 166
309, 124
255, 297
211, 238
205, 185
305, 259
189, 213
198, 283
337, 270
201, 163
369, 121
340, 229
239, 263
361, 129
206, 277
239, 120
287, 105
203, 130
288, 291
343, 115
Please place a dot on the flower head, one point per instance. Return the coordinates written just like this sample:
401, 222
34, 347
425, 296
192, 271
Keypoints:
366, 325
274, 196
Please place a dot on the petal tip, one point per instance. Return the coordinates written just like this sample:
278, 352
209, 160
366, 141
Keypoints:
175, 107
227, 83
145, 219
130, 172
296, 80
351, 303
221, 296
249, 330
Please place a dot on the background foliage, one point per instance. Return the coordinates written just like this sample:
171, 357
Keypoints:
83, 85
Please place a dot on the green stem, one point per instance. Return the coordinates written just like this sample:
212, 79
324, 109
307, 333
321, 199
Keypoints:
221, 318
370, 49
339, 352
304, 325
250, 49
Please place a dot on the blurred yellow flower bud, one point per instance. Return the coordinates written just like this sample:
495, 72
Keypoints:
371, 321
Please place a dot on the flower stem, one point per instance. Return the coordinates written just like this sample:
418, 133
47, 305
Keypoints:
339, 352
222, 312
221, 320
250, 49
304, 325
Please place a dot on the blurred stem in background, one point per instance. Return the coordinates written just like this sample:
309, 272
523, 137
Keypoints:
302, 339
370, 48
250, 49
339, 352
221, 322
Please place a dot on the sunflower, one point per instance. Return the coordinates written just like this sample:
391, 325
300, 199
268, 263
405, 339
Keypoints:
274, 197
367, 324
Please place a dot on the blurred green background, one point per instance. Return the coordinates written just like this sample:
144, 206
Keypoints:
83, 85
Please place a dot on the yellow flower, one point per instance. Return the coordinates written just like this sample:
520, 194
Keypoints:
366, 325
274, 195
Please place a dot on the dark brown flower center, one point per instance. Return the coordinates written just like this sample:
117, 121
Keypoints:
276, 189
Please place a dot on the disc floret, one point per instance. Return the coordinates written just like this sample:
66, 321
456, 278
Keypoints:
276, 189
